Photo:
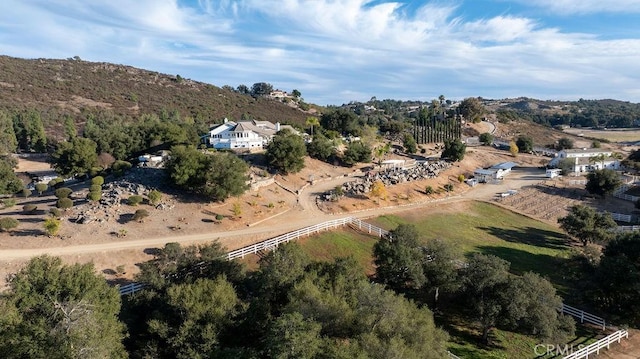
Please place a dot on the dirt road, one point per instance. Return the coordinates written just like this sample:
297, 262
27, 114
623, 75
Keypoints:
306, 213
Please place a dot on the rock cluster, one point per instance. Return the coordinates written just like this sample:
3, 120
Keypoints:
138, 181
422, 170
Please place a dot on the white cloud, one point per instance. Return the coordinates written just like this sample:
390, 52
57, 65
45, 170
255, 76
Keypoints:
586, 6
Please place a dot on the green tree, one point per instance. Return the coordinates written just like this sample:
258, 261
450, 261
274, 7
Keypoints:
485, 278
94, 196
218, 175
97, 180
565, 143
454, 150
344, 122
525, 144
321, 148
75, 157
293, 337
41, 187
486, 138
409, 143
471, 109
613, 287
53, 310
357, 151
8, 223
440, 267
567, 165
261, 89
587, 225
64, 203
286, 152
63, 192
9, 182
602, 182
398, 259
8, 140
532, 308
29, 131
296, 94
70, 130
312, 121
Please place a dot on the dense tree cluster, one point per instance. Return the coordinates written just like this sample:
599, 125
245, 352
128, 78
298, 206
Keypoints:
587, 225
217, 175
603, 182
9, 182
200, 305
454, 150
53, 310
286, 152
527, 304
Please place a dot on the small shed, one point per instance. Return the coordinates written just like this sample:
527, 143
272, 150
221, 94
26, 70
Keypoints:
484, 176
503, 169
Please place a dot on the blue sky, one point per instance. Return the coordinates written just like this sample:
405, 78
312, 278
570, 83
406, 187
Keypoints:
336, 51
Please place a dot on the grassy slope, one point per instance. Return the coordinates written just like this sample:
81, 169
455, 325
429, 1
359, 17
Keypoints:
528, 244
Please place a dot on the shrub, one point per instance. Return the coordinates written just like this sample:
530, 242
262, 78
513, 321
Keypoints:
95, 188
461, 178
140, 215
52, 226
119, 167
154, 197
29, 208
94, 196
54, 212
9, 202
95, 171
448, 187
8, 223
134, 200
219, 217
41, 187
428, 190
63, 192
97, 180
64, 203
25, 192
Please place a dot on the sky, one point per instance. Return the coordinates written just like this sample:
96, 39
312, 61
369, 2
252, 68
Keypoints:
337, 51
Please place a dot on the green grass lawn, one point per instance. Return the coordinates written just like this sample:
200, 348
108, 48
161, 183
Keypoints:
529, 245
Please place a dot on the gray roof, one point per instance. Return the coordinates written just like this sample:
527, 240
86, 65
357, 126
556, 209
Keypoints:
482, 171
504, 165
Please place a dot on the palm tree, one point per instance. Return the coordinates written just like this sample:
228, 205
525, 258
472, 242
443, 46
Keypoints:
312, 121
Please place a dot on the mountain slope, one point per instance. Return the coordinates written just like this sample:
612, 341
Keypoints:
77, 87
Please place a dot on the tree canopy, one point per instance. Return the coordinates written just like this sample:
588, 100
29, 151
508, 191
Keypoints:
454, 150
286, 152
603, 182
217, 175
525, 144
587, 225
60, 311
75, 157
357, 151
9, 182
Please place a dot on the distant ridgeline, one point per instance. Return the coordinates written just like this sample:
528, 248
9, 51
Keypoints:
437, 129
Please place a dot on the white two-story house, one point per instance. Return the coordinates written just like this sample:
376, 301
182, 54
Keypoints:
242, 135
587, 159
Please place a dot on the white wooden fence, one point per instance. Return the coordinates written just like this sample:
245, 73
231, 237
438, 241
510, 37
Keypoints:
130, 288
621, 217
626, 228
595, 347
304, 232
273, 243
583, 316
620, 193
